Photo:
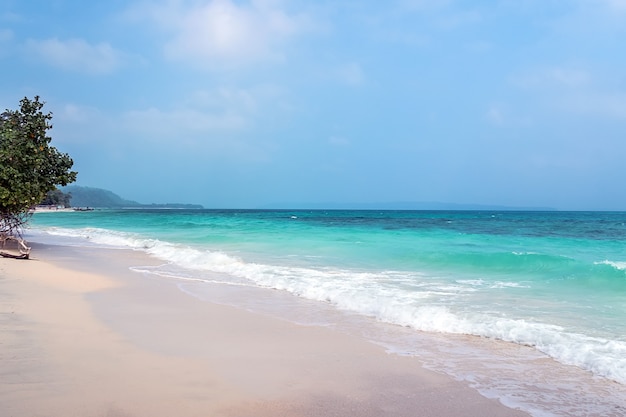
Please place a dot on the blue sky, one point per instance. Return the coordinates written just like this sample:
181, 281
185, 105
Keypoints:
247, 103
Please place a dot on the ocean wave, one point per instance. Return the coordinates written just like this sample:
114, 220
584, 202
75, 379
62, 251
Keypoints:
405, 298
93, 236
621, 266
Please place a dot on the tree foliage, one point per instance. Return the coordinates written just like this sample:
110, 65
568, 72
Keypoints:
57, 197
29, 166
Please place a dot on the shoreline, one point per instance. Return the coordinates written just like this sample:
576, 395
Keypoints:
84, 335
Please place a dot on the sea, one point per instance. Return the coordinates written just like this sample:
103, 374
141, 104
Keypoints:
527, 307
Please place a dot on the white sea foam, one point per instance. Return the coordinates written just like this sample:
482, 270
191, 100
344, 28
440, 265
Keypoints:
404, 298
503, 284
479, 283
473, 282
102, 237
617, 265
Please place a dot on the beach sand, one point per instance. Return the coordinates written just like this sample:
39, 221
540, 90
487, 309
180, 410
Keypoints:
82, 335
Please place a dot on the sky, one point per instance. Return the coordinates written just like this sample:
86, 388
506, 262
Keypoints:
250, 103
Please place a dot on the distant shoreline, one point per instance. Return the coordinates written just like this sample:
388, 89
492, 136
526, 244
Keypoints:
50, 209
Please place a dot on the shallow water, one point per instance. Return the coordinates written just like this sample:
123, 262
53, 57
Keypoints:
528, 307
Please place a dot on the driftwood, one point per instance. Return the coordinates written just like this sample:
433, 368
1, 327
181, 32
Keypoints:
10, 255
11, 226
22, 248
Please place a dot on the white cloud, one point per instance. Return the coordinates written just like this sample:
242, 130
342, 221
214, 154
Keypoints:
443, 14
5, 38
576, 91
339, 141
241, 99
203, 112
501, 115
351, 74
605, 105
495, 115
616, 5
77, 123
568, 77
5, 35
460, 18
592, 22
72, 113
222, 34
178, 123
76, 55
203, 131
553, 77
10, 17
424, 5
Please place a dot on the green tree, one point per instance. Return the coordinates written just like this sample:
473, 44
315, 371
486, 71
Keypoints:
57, 197
29, 166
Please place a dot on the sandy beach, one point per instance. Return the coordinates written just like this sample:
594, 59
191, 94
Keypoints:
82, 335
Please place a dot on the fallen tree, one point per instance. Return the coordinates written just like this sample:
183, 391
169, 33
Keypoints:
11, 232
29, 168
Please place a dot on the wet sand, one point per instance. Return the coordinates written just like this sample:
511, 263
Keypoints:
82, 335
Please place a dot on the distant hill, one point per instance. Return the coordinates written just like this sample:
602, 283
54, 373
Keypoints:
100, 198
96, 197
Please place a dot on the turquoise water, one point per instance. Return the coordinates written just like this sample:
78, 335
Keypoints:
551, 281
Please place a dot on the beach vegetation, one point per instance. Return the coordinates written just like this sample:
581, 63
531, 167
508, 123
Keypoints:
57, 198
29, 166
